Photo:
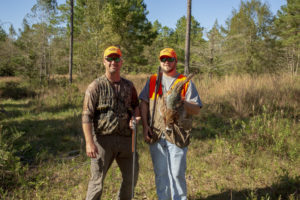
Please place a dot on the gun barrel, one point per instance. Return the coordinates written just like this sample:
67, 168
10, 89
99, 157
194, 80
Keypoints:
134, 136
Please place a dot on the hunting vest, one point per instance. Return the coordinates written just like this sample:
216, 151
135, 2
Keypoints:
113, 110
180, 132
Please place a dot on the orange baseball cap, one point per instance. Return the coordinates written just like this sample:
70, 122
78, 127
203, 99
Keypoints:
112, 50
168, 52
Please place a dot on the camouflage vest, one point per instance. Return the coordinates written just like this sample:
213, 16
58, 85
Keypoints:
113, 110
180, 133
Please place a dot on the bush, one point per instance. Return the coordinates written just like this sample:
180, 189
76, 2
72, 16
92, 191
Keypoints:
6, 70
13, 90
11, 168
269, 131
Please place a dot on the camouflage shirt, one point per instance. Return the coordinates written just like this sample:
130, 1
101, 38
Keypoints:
109, 106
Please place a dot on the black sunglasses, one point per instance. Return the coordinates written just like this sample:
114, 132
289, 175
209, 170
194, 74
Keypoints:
169, 59
116, 59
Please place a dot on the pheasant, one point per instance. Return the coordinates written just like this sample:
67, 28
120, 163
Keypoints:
172, 103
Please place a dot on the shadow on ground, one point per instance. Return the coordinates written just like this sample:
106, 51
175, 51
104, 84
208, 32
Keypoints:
15, 91
46, 138
286, 188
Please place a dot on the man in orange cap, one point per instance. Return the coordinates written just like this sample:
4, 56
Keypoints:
107, 119
168, 145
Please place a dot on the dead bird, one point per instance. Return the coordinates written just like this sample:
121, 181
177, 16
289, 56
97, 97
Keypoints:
173, 102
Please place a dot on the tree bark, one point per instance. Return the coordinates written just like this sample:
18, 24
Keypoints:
71, 41
187, 39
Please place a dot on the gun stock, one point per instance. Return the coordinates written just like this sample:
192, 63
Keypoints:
157, 85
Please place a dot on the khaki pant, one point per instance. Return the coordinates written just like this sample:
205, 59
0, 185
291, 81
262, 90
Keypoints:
110, 148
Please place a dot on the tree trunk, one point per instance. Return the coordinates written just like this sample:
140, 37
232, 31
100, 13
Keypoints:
187, 39
71, 41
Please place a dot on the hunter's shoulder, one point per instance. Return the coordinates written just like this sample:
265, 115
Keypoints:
126, 82
96, 83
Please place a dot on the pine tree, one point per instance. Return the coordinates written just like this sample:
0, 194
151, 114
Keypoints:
9, 53
196, 40
43, 25
245, 37
214, 53
99, 24
125, 23
287, 25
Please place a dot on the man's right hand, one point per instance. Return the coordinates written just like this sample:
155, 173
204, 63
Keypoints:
91, 150
147, 133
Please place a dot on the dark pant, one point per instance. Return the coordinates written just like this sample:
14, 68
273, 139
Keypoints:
110, 148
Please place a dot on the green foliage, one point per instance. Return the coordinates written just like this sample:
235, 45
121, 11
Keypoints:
14, 90
39, 42
6, 70
246, 34
267, 132
11, 169
99, 24
214, 54
253, 41
126, 23
3, 34
255, 156
287, 25
67, 95
11, 57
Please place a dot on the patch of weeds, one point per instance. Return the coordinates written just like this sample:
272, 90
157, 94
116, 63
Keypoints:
11, 168
269, 131
15, 91
210, 126
61, 99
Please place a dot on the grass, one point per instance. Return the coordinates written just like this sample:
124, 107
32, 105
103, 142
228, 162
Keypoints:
245, 142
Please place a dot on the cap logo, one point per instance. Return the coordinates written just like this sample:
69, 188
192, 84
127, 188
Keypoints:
168, 52
112, 50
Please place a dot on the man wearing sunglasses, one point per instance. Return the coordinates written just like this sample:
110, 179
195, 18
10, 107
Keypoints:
107, 119
168, 145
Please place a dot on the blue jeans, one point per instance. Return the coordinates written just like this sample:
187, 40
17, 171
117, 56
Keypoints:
169, 162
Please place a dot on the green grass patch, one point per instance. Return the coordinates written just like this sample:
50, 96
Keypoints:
232, 155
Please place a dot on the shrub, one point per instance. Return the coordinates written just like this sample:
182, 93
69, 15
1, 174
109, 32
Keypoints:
269, 131
11, 168
15, 91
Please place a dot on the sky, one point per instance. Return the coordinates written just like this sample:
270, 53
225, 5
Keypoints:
167, 12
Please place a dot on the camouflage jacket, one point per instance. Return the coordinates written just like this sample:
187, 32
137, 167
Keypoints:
109, 106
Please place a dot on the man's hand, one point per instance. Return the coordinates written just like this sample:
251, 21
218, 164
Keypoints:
147, 133
90, 147
131, 124
91, 150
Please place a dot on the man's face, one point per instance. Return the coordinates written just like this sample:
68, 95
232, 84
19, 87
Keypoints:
168, 64
112, 63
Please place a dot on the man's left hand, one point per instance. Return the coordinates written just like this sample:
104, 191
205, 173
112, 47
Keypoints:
131, 124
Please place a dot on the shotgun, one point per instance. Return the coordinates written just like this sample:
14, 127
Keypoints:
157, 85
133, 149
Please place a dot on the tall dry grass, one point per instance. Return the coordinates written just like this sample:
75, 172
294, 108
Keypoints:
245, 95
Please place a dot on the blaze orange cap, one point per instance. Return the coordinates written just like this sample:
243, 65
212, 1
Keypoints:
112, 50
168, 52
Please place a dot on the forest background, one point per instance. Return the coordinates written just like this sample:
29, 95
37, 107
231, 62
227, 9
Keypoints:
246, 138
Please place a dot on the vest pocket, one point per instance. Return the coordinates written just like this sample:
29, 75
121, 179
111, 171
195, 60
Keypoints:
124, 125
185, 124
107, 123
181, 137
